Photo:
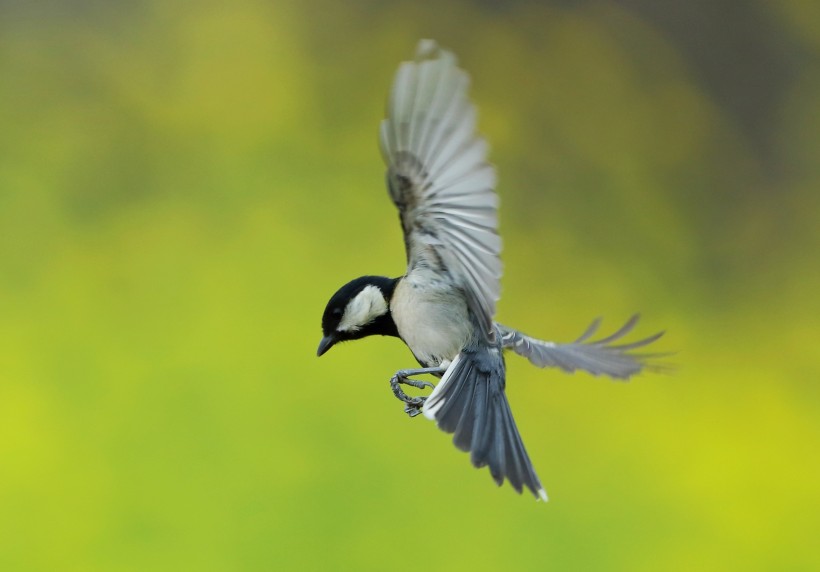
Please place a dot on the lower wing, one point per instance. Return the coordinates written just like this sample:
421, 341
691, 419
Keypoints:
599, 357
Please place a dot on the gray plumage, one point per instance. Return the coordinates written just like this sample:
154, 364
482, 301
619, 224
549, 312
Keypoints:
599, 357
443, 307
470, 403
439, 178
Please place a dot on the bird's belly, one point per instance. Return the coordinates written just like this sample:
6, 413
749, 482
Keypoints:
431, 319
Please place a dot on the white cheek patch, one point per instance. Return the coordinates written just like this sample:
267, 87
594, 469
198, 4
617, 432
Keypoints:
368, 305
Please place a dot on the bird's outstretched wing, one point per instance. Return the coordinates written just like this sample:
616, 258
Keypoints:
599, 357
439, 178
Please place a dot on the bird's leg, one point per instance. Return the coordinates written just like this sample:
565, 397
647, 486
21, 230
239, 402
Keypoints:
412, 405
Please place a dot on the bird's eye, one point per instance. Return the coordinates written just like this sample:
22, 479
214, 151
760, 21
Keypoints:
337, 312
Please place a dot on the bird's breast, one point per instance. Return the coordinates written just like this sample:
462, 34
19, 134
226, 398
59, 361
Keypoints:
431, 317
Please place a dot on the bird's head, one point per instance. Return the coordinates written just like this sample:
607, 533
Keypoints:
359, 308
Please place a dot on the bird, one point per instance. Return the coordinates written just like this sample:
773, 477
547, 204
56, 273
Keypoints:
443, 307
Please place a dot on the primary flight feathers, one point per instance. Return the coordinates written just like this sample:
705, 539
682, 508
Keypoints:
599, 357
439, 178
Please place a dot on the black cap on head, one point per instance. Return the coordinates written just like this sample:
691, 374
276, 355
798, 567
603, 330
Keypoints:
335, 311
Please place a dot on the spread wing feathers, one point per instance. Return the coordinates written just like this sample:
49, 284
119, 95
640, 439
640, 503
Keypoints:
598, 357
439, 178
469, 402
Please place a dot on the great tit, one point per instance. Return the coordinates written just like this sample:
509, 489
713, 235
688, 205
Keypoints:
443, 307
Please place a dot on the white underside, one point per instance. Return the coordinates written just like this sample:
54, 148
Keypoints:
432, 320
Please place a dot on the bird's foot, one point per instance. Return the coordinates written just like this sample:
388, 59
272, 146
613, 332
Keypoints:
412, 405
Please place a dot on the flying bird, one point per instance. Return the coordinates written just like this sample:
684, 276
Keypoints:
443, 307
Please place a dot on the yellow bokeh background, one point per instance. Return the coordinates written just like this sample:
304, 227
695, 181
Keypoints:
184, 185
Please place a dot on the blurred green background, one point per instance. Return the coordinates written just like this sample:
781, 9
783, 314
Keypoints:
184, 184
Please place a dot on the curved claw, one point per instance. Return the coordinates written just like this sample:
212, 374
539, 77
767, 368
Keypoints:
413, 409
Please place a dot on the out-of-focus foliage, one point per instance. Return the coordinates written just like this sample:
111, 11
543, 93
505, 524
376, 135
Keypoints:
183, 185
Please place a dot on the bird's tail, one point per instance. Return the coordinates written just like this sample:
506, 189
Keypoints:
469, 402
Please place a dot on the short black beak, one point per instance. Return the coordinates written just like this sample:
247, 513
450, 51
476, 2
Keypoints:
326, 343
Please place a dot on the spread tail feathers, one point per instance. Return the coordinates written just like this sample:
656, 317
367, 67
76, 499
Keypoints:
599, 357
469, 402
